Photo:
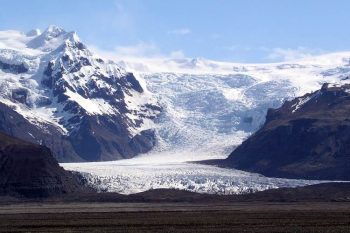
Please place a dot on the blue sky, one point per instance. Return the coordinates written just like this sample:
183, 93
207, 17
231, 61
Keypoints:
228, 30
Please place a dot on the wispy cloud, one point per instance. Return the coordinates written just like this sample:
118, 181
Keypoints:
180, 31
119, 17
141, 57
122, 16
278, 54
289, 54
235, 48
140, 50
177, 54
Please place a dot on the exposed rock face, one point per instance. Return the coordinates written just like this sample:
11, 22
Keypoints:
307, 137
30, 170
13, 68
13, 123
56, 93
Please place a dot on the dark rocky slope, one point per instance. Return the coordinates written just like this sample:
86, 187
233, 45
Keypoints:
30, 170
14, 124
308, 137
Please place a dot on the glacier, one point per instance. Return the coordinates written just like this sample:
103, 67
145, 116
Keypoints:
209, 108
142, 174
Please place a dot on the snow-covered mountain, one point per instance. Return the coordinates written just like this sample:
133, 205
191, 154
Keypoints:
207, 112
210, 106
55, 92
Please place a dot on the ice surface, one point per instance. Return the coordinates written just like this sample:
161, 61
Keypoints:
141, 174
212, 113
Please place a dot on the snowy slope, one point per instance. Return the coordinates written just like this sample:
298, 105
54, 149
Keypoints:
57, 84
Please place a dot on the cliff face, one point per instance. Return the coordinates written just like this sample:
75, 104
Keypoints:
307, 137
30, 170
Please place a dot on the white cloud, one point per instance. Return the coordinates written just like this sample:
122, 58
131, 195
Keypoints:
180, 31
177, 54
141, 49
288, 54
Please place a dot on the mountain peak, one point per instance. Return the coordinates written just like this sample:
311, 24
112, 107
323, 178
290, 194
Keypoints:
80, 95
54, 31
72, 37
50, 39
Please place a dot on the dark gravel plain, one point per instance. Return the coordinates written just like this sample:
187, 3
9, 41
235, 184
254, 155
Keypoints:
176, 217
317, 208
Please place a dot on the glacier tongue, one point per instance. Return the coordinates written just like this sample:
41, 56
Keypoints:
138, 175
